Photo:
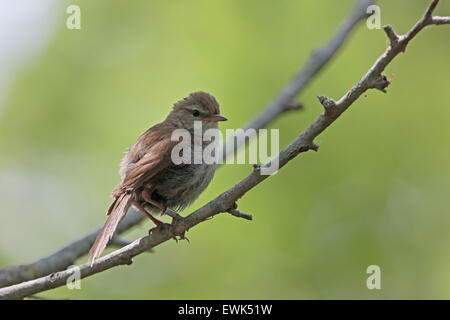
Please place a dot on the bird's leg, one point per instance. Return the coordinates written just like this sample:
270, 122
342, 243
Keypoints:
175, 220
149, 199
165, 210
155, 221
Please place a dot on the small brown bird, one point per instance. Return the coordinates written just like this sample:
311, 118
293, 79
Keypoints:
151, 181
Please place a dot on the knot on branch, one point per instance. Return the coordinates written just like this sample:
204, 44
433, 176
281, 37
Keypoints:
125, 260
380, 83
392, 35
310, 146
53, 277
327, 103
314, 146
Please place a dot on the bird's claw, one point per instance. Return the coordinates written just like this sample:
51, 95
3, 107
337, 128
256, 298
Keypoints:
181, 236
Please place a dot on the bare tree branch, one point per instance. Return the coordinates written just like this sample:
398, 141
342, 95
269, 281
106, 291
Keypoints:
63, 258
67, 255
225, 202
440, 20
319, 58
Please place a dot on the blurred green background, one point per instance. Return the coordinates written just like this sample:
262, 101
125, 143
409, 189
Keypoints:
377, 192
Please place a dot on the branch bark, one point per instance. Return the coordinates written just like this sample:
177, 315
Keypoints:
225, 202
67, 255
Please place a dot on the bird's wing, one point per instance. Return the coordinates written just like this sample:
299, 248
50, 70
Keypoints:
154, 150
154, 161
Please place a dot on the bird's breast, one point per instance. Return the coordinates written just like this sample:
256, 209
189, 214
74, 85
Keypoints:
181, 185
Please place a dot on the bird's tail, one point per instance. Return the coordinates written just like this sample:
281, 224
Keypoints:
115, 213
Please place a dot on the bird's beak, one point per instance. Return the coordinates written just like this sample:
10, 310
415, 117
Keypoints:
215, 118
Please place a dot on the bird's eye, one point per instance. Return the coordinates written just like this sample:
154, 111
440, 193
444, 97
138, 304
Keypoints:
195, 113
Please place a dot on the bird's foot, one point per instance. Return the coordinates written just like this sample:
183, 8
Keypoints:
175, 219
158, 223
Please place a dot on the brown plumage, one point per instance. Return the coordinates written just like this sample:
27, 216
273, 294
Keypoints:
204, 99
150, 180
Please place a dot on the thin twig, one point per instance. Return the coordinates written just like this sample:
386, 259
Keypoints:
440, 20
